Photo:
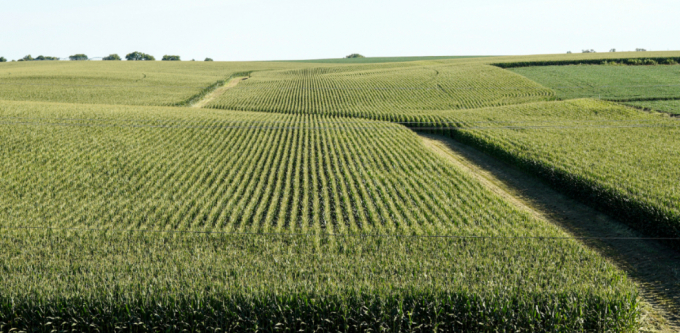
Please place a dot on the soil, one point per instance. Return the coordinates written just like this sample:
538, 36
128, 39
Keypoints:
217, 92
653, 266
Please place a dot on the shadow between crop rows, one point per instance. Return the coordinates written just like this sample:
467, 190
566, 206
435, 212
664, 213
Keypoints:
654, 266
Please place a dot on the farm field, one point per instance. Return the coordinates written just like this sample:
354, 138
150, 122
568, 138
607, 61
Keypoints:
117, 168
303, 197
375, 60
115, 82
375, 90
610, 82
79, 280
599, 151
668, 106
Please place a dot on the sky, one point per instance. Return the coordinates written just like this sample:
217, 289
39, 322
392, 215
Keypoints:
241, 30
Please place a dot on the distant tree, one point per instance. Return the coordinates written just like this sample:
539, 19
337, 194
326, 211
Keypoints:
354, 55
2, 59
640, 50
27, 58
589, 51
137, 56
170, 58
208, 59
112, 57
79, 56
43, 58
612, 50
568, 52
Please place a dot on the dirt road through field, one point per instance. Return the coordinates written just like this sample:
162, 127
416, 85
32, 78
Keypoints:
655, 267
217, 92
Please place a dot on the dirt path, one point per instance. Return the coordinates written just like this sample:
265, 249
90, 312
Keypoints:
217, 92
653, 266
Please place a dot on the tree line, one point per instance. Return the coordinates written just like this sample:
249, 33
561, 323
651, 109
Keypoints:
134, 56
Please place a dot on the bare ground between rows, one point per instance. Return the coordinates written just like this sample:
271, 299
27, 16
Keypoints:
217, 92
655, 267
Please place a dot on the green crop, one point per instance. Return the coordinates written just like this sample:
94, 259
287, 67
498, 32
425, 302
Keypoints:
117, 168
113, 82
619, 83
369, 90
375, 60
142, 282
175, 169
120, 213
597, 151
668, 106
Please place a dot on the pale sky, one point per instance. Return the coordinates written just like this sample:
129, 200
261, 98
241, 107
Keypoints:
310, 29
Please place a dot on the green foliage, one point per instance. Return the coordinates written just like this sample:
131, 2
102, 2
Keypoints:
41, 58
115, 82
139, 56
2, 59
38, 58
671, 106
171, 58
367, 90
208, 59
173, 169
617, 83
79, 56
85, 281
375, 60
309, 176
354, 55
595, 61
111, 57
615, 158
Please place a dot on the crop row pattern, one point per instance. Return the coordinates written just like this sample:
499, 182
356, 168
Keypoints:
174, 169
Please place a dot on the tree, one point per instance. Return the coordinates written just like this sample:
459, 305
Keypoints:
41, 58
79, 56
208, 59
170, 58
612, 50
137, 56
2, 59
112, 57
640, 50
27, 58
354, 55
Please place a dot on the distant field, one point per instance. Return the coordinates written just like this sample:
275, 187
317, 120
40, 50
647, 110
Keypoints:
374, 60
114, 82
141, 168
668, 106
374, 90
621, 83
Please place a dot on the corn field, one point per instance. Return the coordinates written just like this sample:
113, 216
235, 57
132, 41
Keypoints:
599, 152
303, 199
369, 91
